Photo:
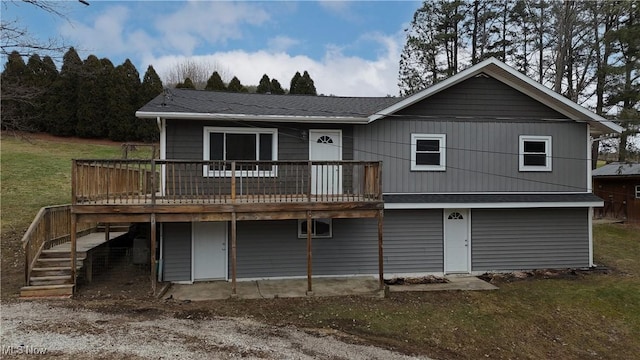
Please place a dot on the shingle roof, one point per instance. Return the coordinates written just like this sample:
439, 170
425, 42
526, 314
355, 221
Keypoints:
618, 169
489, 198
214, 102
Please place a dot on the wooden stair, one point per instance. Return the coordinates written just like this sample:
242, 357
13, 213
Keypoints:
51, 274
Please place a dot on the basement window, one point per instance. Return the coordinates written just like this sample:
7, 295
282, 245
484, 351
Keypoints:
535, 153
637, 191
320, 228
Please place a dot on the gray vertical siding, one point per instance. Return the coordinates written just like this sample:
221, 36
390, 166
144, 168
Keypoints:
412, 244
515, 239
184, 138
176, 252
481, 155
413, 241
482, 119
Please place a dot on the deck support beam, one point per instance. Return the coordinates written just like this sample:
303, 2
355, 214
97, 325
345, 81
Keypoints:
73, 235
154, 270
380, 249
234, 233
309, 255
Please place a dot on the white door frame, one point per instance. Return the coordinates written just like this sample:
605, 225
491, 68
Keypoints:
445, 213
226, 253
337, 133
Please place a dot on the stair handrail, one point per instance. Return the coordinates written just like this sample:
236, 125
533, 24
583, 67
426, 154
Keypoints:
51, 226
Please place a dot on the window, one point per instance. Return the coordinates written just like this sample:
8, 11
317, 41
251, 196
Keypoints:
241, 144
637, 191
428, 152
320, 228
535, 153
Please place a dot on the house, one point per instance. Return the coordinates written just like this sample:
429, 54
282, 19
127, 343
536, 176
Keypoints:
485, 171
619, 185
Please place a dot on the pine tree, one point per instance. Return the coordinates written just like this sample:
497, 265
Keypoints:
276, 88
186, 84
264, 86
236, 86
93, 100
215, 83
63, 101
151, 87
40, 76
305, 85
123, 102
294, 83
15, 94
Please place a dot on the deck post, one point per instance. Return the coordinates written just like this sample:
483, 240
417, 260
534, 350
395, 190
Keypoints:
309, 180
73, 235
154, 181
74, 181
233, 181
309, 255
233, 254
380, 249
154, 270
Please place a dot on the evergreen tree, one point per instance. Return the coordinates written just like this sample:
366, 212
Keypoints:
63, 101
215, 83
187, 84
236, 86
305, 85
264, 86
151, 87
93, 101
294, 82
276, 88
16, 95
123, 102
40, 76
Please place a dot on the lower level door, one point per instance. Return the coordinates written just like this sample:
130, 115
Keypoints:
456, 241
209, 251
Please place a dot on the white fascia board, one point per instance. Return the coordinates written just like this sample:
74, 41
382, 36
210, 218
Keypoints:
501, 205
528, 86
245, 117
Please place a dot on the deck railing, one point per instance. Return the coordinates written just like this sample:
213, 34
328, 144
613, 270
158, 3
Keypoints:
104, 182
50, 227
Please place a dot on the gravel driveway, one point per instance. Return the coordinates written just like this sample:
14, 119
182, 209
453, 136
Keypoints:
72, 334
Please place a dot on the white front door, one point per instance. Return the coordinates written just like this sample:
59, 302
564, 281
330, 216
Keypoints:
209, 250
456, 241
326, 145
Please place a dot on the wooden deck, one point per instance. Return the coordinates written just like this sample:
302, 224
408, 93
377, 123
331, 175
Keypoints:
88, 242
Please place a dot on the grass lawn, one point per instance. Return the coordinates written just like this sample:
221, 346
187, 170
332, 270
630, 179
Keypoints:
582, 316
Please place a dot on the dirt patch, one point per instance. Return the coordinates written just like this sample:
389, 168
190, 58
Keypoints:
567, 274
416, 280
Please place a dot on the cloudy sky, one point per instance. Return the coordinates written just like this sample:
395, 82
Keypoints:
350, 48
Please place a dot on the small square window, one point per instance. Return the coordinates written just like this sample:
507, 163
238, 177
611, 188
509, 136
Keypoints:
428, 152
535, 153
320, 228
637, 191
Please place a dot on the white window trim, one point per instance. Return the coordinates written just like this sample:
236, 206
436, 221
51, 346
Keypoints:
637, 191
302, 235
239, 130
548, 153
442, 138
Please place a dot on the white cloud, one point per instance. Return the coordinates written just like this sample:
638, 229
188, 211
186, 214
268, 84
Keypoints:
334, 74
281, 43
208, 22
340, 9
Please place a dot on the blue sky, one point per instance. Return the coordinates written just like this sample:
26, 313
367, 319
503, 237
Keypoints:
350, 48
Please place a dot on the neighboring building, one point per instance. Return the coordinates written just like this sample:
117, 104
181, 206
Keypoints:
619, 185
485, 171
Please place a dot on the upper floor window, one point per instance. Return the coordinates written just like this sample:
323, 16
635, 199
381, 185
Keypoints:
535, 153
229, 144
428, 152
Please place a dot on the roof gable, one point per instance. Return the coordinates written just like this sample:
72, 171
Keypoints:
511, 77
482, 97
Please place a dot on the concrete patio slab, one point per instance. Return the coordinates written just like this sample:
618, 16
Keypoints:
269, 289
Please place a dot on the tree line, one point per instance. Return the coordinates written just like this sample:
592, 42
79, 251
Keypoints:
95, 99
588, 51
